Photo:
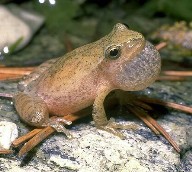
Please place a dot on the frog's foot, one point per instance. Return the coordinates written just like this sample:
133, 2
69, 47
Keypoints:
112, 127
58, 124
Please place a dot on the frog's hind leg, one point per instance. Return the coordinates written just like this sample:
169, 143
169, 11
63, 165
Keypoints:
34, 111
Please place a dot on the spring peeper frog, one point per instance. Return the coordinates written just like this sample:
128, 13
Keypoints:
85, 76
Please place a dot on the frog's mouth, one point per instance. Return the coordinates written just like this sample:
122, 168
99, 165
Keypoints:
142, 70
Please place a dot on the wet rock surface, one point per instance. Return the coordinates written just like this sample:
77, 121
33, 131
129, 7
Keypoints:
95, 150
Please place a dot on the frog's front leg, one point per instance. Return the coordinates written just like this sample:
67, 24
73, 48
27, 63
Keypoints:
99, 115
34, 111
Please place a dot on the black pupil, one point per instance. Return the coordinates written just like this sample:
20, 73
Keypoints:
114, 52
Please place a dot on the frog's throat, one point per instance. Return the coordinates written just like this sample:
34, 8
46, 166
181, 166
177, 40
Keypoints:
142, 70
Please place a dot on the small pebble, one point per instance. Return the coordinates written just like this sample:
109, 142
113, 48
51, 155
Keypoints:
8, 133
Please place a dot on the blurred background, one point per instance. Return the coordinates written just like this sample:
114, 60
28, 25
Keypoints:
33, 31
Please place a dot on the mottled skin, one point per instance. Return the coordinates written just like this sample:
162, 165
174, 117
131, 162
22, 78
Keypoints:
84, 77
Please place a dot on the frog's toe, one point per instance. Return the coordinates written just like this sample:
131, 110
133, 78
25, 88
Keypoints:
122, 126
60, 120
58, 124
60, 128
111, 127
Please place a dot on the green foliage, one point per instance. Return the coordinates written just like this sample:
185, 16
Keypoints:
178, 9
58, 16
14, 46
83, 21
68, 15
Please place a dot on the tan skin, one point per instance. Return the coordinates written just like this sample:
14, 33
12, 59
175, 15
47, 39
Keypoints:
85, 76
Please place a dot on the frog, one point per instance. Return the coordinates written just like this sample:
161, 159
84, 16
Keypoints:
121, 60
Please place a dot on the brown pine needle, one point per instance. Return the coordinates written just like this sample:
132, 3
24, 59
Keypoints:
149, 120
10, 76
142, 116
44, 133
163, 132
5, 151
8, 73
8, 95
172, 78
169, 74
26, 137
68, 43
161, 45
16, 70
177, 73
167, 104
142, 105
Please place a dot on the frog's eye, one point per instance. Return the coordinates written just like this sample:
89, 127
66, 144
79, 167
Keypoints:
113, 52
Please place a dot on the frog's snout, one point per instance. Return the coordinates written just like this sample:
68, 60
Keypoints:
142, 70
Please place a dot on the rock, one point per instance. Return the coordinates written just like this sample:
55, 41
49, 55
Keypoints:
64, 162
186, 162
8, 133
17, 27
96, 150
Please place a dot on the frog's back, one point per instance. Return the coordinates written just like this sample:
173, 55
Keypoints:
70, 69
71, 80
81, 63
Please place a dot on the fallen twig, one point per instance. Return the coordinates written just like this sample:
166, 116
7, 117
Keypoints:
168, 104
161, 45
5, 151
44, 133
177, 73
26, 137
154, 126
172, 78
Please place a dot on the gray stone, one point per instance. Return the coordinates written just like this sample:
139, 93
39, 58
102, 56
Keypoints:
17, 27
